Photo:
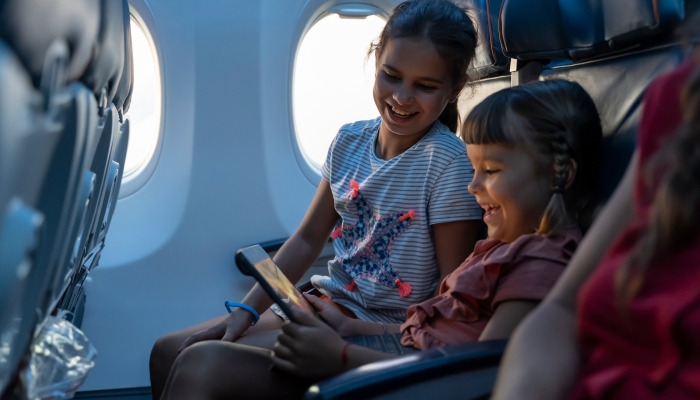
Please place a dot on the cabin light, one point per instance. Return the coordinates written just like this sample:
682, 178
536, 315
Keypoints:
358, 11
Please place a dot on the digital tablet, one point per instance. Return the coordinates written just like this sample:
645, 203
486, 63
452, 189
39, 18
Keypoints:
255, 262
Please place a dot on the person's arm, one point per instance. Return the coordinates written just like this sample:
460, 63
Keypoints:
542, 359
294, 258
453, 242
506, 318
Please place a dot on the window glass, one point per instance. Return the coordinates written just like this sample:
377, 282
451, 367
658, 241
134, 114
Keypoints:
145, 109
332, 82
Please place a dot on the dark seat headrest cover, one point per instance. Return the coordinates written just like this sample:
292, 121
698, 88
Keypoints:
577, 30
489, 58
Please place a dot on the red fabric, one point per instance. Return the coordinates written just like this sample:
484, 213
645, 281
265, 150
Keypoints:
495, 272
653, 352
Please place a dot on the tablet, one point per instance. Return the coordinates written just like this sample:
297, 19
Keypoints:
255, 262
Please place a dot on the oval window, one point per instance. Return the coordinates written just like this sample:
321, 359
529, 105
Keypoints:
332, 82
145, 109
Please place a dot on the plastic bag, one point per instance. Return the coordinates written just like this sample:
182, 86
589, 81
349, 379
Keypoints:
61, 358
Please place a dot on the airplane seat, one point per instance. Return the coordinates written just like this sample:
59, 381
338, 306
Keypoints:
489, 71
43, 50
584, 30
105, 68
31, 29
122, 101
636, 48
20, 221
489, 60
104, 76
66, 193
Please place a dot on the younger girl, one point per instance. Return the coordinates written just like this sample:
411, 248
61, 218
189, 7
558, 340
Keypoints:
392, 190
534, 149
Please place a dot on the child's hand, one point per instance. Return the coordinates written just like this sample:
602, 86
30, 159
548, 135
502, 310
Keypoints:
333, 317
310, 349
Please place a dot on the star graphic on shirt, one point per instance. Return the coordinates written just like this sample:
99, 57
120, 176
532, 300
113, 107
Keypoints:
367, 243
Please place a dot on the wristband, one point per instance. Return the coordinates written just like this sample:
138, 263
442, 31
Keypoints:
383, 327
344, 357
231, 304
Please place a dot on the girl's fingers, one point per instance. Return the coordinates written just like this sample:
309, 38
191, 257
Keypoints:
303, 318
231, 334
318, 304
284, 365
196, 337
291, 329
283, 352
288, 342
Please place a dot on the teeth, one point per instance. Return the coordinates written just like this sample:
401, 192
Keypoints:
401, 113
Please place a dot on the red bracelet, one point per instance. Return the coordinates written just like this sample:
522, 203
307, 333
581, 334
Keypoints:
344, 357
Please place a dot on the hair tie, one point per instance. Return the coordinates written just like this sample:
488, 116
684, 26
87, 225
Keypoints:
344, 357
559, 184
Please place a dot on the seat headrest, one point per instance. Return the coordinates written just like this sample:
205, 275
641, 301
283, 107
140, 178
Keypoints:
628, 22
577, 30
31, 27
105, 69
489, 58
122, 98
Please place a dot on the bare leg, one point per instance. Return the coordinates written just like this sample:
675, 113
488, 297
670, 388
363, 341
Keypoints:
164, 351
222, 370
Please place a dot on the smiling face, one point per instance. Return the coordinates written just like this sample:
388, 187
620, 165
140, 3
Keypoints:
412, 87
511, 187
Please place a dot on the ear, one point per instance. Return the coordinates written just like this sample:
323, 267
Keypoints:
572, 173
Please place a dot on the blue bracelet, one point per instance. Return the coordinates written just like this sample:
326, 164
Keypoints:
231, 304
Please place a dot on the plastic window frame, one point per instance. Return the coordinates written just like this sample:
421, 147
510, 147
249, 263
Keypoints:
142, 13
314, 11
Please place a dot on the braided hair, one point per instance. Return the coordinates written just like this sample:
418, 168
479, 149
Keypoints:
557, 122
447, 26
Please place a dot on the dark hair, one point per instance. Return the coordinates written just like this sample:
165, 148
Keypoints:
450, 30
557, 122
674, 213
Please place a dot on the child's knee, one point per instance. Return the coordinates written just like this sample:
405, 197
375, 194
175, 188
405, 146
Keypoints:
164, 351
198, 363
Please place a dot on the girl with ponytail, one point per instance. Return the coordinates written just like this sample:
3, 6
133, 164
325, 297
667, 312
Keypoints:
391, 196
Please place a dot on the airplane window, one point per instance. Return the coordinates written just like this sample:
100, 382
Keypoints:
332, 82
145, 110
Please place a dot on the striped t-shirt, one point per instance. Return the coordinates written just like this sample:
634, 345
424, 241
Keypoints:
385, 259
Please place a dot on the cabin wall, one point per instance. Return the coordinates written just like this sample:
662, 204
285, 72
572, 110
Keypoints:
227, 176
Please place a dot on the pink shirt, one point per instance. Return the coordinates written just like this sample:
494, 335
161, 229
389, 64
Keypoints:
525, 269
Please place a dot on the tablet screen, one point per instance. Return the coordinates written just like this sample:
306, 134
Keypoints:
277, 280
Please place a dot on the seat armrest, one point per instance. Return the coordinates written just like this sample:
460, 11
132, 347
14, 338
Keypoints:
269, 247
381, 377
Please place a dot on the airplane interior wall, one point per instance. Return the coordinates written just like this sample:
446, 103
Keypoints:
227, 176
